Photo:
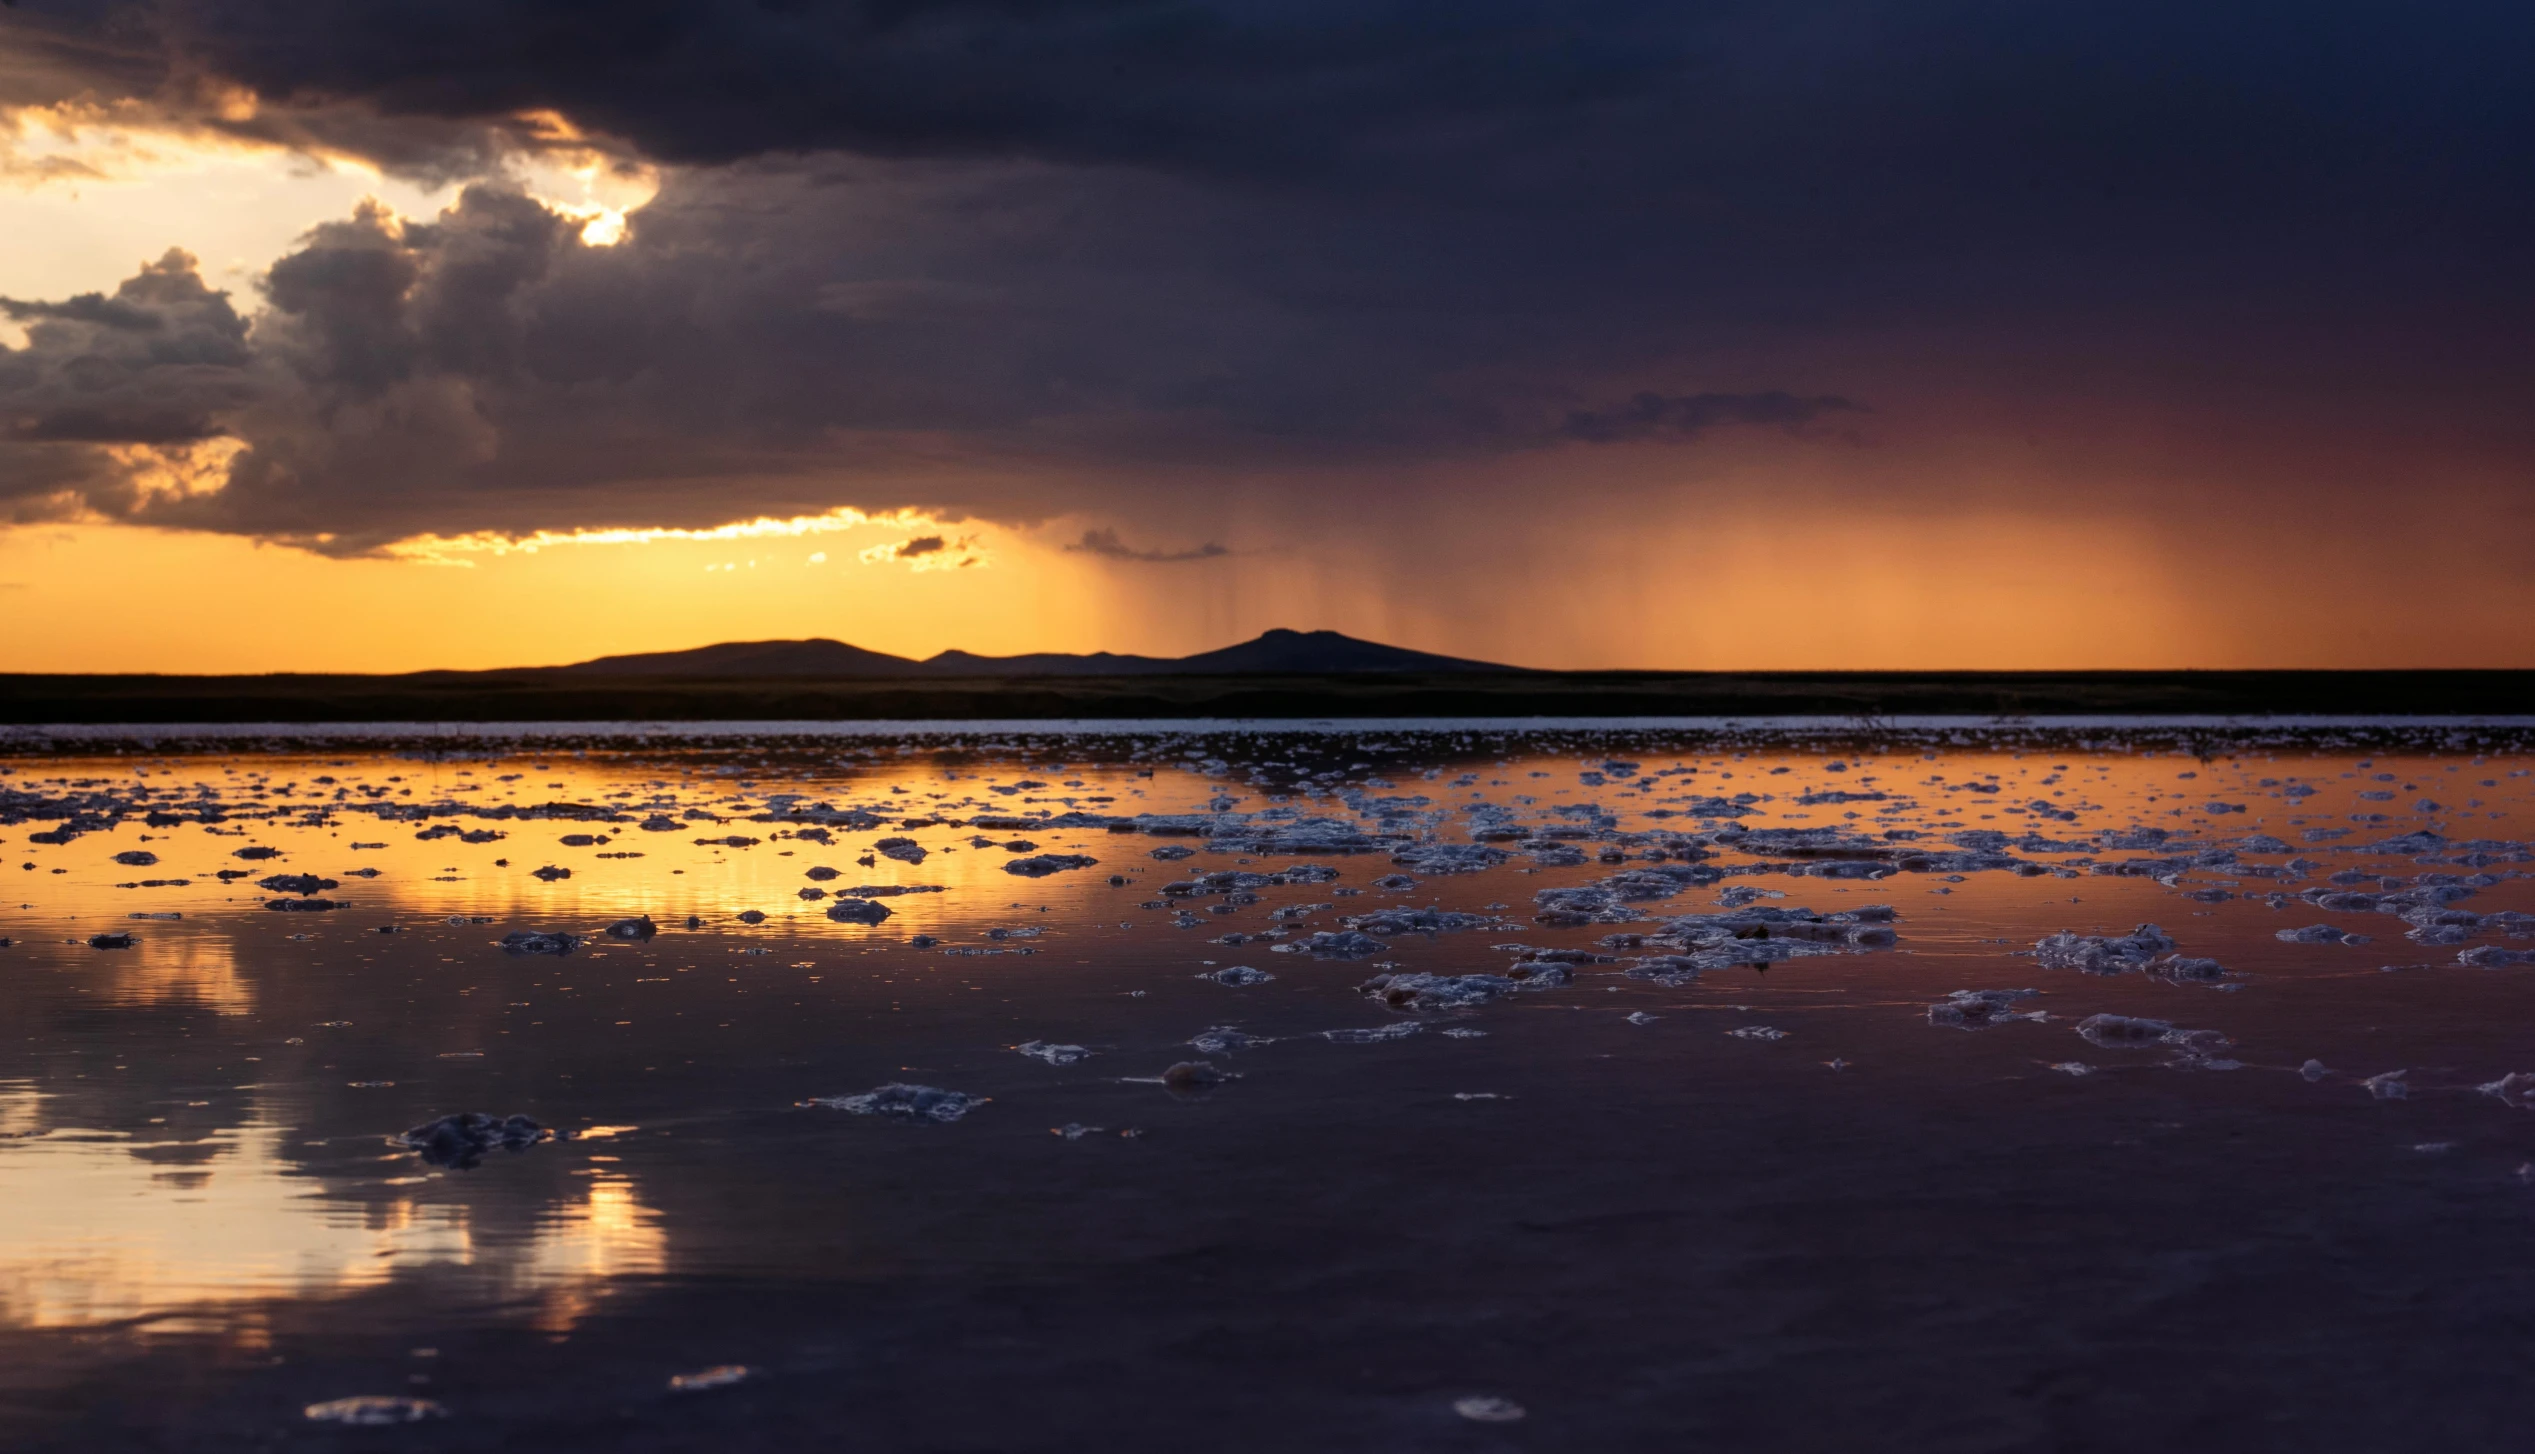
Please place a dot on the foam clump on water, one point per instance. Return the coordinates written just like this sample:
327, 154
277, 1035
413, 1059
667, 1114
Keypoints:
1268, 834
1458, 991
1042, 864
2183, 969
1757, 937
2123, 1032
2198, 1050
1488, 1409
1435, 991
1669, 970
1238, 976
2391, 1086
528, 941
1542, 972
1982, 1009
295, 883
2103, 954
2517, 1088
373, 1411
903, 1102
1437, 858
1419, 921
2192, 1049
459, 1142
1400, 1030
1344, 944
1607, 901
1305, 873
1052, 1054
1567, 908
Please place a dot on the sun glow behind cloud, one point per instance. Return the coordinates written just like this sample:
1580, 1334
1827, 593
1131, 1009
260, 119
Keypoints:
86, 189
177, 471
579, 180
458, 549
86, 142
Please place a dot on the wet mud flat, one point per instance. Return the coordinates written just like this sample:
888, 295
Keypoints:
1413, 1088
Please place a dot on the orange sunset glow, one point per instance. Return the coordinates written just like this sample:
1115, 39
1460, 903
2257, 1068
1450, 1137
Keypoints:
2175, 487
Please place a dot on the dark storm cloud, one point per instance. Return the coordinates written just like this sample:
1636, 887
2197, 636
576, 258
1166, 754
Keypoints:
1038, 256
1778, 115
1108, 544
159, 362
783, 339
1243, 86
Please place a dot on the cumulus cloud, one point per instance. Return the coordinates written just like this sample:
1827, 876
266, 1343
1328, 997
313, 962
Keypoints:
158, 364
487, 371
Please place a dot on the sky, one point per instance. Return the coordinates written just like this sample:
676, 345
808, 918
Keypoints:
1805, 334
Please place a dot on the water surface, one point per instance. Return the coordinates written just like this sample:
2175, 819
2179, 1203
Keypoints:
1720, 1178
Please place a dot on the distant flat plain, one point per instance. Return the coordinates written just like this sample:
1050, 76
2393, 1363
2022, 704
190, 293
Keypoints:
578, 694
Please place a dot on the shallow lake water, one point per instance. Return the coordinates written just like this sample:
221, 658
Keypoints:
1588, 1090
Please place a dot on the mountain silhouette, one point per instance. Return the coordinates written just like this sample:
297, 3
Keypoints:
1312, 652
813, 658
1279, 652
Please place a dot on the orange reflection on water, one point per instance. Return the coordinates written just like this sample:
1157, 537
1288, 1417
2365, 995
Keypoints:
186, 970
101, 1227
